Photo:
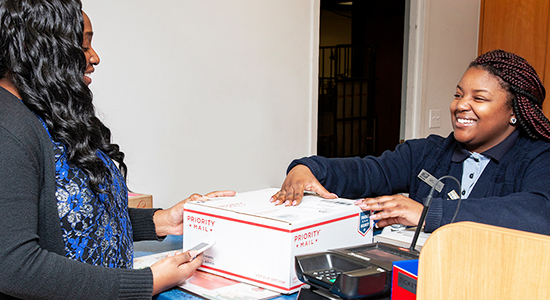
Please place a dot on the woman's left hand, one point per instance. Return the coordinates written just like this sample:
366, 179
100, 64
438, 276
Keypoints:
392, 209
174, 270
170, 221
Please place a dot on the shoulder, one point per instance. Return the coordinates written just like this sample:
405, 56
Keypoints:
19, 127
432, 143
527, 154
531, 146
441, 141
12, 110
15, 117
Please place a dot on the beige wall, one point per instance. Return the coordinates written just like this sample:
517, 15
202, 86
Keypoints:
210, 94
443, 39
216, 94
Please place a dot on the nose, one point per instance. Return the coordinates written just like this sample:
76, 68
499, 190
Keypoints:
94, 57
462, 104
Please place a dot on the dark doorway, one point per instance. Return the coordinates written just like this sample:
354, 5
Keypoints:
360, 74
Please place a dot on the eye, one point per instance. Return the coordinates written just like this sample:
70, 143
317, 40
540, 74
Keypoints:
457, 95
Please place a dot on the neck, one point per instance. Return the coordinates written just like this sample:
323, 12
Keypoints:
9, 86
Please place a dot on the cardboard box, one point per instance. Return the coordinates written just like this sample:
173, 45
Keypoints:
140, 200
256, 241
404, 279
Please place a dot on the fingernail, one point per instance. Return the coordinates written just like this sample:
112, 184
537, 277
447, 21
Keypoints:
358, 201
362, 205
335, 195
294, 203
287, 203
193, 254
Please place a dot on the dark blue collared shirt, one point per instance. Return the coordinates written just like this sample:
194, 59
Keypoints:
474, 164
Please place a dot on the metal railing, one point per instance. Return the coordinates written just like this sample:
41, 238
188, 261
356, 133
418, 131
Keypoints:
347, 123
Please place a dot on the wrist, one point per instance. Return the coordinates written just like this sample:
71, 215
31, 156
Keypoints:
161, 227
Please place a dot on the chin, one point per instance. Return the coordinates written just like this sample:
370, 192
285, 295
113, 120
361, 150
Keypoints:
462, 139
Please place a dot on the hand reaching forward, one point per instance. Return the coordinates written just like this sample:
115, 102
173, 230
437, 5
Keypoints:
170, 221
392, 209
298, 180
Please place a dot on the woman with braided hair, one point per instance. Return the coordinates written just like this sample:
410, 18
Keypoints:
499, 151
66, 229
522, 82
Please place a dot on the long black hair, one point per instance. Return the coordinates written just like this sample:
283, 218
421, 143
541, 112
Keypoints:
41, 52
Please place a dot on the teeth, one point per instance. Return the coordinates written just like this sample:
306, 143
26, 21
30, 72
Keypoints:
465, 121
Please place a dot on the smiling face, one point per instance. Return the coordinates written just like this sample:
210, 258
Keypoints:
92, 58
481, 111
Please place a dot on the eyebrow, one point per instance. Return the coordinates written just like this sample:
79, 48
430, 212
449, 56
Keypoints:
477, 91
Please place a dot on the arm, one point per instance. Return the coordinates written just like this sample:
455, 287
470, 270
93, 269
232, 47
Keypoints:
392, 209
298, 180
351, 177
155, 223
170, 221
28, 270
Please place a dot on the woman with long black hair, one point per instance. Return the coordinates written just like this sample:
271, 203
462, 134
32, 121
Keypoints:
66, 231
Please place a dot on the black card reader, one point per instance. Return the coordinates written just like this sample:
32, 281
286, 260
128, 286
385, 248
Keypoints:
352, 273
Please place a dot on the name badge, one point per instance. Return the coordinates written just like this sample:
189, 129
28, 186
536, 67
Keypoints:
431, 180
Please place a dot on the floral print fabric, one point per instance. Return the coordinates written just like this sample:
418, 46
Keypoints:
96, 227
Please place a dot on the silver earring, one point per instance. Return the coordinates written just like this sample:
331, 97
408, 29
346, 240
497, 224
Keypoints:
513, 121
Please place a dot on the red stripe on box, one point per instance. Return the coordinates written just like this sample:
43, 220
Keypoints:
272, 227
237, 220
250, 279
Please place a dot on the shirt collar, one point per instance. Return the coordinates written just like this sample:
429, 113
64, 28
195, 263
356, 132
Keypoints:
496, 153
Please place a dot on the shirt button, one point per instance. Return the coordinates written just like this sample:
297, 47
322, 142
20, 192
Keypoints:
463, 192
471, 175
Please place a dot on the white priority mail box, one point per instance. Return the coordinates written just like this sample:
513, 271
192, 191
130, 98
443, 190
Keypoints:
256, 241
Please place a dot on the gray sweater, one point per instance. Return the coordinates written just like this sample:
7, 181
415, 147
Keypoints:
32, 261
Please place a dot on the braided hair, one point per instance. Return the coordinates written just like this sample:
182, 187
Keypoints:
41, 52
521, 81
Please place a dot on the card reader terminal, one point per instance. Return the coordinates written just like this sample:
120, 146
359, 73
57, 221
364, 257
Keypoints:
352, 273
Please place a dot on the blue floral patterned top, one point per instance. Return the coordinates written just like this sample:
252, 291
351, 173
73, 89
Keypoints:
96, 228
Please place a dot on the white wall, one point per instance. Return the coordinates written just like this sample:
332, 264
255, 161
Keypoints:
206, 95
443, 39
216, 94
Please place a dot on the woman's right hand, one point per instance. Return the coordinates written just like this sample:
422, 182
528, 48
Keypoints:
174, 270
298, 180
